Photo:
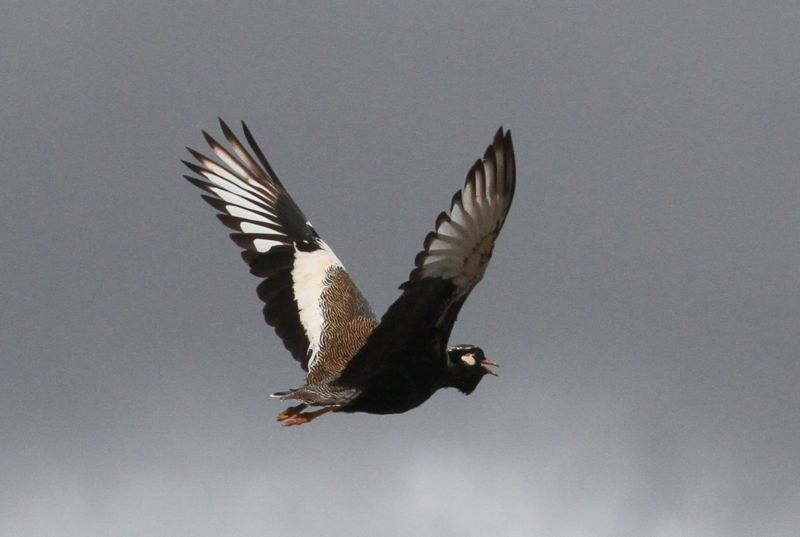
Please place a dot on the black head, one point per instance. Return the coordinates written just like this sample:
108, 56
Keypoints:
466, 366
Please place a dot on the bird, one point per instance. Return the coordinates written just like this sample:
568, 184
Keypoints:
353, 361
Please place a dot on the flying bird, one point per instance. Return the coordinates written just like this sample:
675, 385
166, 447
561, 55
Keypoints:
353, 361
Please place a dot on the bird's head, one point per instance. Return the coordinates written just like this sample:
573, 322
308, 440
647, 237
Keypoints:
466, 366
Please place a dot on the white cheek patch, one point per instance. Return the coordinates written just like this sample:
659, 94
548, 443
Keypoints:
468, 359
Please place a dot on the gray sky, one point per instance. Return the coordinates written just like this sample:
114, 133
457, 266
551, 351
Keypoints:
644, 298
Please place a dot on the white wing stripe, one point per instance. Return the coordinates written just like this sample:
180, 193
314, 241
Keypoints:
249, 227
241, 176
221, 174
265, 245
230, 197
308, 277
228, 159
241, 152
238, 189
220, 171
239, 212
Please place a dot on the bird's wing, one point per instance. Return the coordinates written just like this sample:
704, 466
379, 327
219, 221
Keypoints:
310, 300
452, 262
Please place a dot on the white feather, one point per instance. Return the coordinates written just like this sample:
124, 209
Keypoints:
248, 227
463, 242
232, 163
265, 245
308, 277
218, 170
230, 197
239, 212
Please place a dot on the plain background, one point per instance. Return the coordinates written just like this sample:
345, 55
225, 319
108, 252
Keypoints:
643, 299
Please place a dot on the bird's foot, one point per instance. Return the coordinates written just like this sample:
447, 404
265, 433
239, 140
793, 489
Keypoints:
299, 418
291, 412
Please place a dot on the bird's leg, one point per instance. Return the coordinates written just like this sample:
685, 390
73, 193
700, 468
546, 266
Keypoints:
291, 412
305, 417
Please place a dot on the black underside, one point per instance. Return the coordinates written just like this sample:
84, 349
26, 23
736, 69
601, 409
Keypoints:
407, 337
398, 389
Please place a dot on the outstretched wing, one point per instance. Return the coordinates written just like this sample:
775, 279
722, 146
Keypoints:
309, 298
452, 262
460, 248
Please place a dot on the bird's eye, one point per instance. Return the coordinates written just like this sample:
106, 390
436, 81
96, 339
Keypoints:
468, 359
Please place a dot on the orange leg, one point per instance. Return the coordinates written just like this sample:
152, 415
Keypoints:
304, 417
291, 412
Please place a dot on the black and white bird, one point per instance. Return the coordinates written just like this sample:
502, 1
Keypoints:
353, 361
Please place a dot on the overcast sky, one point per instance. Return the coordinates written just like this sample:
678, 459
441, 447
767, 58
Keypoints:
643, 299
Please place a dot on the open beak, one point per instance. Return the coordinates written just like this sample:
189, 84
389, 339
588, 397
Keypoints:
486, 370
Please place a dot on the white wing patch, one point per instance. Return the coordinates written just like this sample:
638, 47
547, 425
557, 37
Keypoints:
309, 278
249, 202
280, 245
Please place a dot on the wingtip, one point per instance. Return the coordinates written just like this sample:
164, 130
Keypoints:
210, 140
202, 185
502, 135
498, 136
196, 154
257, 150
194, 167
224, 126
246, 130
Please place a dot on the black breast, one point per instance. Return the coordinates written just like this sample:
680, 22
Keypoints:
399, 388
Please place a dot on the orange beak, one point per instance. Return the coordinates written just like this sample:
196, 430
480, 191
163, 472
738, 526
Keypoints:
486, 370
